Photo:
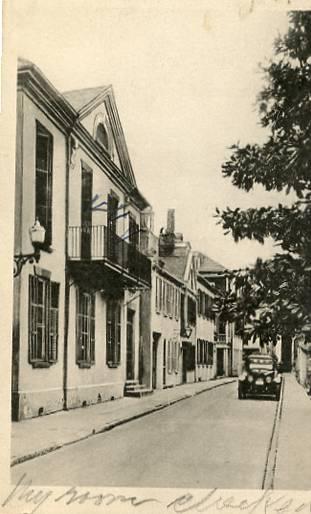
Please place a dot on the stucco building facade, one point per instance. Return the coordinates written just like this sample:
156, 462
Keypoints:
76, 314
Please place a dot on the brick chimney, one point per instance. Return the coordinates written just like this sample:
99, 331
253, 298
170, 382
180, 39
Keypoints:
170, 228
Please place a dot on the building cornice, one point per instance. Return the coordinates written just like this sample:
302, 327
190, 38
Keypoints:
34, 84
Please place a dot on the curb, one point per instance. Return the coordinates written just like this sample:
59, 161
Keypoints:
113, 424
270, 466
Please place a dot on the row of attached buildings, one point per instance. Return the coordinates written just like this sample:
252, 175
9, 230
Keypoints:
110, 308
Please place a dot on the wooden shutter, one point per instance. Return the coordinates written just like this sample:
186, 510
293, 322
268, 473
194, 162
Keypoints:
92, 328
53, 322
118, 333
32, 318
78, 326
109, 358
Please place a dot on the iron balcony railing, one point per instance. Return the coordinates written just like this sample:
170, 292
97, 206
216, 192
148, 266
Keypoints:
97, 243
220, 338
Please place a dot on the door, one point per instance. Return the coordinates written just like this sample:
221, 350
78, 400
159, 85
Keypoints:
184, 363
130, 352
155, 359
164, 362
220, 362
286, 357
86, 211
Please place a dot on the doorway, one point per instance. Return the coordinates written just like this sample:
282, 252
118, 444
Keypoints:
220, 362
86, 211
286, 355
130, 353
155, 345
184, 362
164, 362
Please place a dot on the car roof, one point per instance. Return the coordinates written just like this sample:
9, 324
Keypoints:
260, 356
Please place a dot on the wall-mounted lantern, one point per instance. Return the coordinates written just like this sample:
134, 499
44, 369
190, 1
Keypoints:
37, 236
186, 331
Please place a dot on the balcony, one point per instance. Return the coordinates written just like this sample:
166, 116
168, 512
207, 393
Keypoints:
99, 255
220, 338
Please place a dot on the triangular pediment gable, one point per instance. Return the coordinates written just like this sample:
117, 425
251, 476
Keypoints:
191, 271
98, 106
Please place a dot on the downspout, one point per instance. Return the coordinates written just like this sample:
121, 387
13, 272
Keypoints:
67, 286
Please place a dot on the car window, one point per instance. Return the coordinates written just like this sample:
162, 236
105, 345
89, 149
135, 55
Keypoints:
261, 363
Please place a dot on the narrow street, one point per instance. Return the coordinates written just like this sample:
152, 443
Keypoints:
210, 440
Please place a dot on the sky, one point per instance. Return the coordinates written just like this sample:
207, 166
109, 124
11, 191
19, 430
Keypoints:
185, 76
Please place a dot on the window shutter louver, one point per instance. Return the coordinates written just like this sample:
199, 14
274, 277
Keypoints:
53, 325
118, 333
92, 330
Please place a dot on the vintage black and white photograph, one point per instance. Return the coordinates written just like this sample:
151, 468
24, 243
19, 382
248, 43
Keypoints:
161, 253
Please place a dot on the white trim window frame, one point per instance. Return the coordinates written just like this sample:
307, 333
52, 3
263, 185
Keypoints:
85, 328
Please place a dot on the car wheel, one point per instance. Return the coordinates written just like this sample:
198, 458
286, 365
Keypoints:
277, 395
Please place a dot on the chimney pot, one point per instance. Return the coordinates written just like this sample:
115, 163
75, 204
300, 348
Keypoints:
171, 221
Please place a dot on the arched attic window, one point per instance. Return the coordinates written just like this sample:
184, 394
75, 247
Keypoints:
102, 136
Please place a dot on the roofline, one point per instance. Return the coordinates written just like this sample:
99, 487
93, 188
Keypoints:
163, 271
28, 70
30, 77
140, 198
92, 104
205, 282
213, 273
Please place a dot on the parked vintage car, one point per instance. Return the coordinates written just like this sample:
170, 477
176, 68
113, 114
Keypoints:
260, 377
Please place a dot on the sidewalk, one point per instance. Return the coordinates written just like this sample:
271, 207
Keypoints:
34, 437
293, 469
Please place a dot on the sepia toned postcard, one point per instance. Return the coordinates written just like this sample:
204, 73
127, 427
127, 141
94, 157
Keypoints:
156, 256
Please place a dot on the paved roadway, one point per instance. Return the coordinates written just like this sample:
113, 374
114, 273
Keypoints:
210, 440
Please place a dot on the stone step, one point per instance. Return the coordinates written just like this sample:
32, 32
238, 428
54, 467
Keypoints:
138, 393
134, 386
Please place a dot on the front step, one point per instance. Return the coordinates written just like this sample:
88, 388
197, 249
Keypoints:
134, 389
138, 393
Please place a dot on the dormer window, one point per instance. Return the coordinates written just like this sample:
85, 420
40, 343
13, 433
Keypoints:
102, 136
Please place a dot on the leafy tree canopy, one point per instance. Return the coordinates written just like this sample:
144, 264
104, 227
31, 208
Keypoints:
278, 290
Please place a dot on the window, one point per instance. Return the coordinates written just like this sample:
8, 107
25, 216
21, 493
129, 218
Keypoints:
157, 294
165, 300
160, 294
176, 357
205, 353
86, 211
182, 312
210, 354
169, 356
102, 136
170, 300
198, 351
133, 231
191, 311
43, 321
113, 333
44, 154
202, 352
85, 328
113, 248
175, 303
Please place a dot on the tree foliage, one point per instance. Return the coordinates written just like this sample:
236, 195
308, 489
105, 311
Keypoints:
279, 290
